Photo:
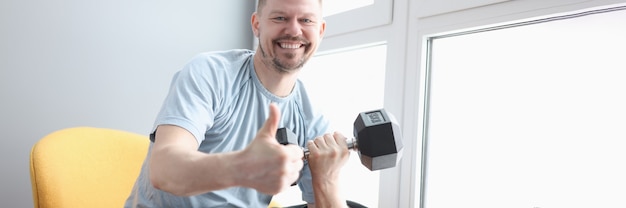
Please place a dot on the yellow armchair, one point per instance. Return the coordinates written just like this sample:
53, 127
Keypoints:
86, 167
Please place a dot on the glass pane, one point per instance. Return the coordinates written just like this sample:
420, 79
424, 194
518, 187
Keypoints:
530, 116
334, 7
343, 85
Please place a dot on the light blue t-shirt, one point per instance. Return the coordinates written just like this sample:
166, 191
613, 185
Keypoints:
219, 99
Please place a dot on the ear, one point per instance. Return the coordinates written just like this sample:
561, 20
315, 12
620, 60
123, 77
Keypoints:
254, 22
322, 28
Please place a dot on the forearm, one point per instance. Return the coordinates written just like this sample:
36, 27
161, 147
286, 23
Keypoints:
177, 167
327, 155
181, 172
327, 193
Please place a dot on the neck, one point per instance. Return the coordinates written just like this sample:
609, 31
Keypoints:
279, 83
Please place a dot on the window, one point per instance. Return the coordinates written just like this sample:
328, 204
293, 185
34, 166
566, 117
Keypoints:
350, 16
528, 115
436, 7
336, 7
342, 86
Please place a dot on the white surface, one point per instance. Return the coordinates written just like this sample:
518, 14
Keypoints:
530, 116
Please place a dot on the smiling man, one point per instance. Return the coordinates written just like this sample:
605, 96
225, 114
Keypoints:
214, 140
293, 40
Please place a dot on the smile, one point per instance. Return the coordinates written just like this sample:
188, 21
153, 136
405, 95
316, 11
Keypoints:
290, 45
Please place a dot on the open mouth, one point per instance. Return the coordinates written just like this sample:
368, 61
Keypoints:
290, 45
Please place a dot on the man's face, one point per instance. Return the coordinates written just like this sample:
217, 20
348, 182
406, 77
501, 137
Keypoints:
289, 32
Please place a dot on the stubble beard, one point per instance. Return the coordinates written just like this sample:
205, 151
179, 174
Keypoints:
281, 66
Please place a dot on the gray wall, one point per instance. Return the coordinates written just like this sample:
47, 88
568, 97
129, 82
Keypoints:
67, 63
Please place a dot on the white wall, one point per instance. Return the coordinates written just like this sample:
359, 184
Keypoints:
66, 63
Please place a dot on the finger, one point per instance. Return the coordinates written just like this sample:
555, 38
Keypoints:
295, 151
298, 165
326, 141
319, 143
295, 175
311, 145
271, 123
340, 139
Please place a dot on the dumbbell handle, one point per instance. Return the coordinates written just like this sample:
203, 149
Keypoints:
352, 145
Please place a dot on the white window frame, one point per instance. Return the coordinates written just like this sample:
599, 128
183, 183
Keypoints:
403, 184
374, 15
366, 26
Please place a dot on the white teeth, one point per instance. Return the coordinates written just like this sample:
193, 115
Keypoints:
290, 46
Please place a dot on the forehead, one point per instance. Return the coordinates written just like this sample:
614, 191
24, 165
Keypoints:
309, 7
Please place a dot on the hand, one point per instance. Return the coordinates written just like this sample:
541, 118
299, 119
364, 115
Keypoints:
327, 155
268, 166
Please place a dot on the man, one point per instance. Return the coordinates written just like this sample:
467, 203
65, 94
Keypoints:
214, 144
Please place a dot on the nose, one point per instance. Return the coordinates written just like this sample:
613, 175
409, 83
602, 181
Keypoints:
293, 28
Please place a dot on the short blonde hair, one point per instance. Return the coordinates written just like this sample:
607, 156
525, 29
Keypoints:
262, 3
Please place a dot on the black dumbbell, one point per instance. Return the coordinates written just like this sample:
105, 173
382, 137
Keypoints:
377, 139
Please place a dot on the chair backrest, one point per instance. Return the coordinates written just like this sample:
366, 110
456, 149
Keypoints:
86, 167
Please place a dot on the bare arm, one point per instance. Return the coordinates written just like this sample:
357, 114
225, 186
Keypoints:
176, 165
327, 156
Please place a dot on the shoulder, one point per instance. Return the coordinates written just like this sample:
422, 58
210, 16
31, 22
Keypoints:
226, 55
222, 59
214, 66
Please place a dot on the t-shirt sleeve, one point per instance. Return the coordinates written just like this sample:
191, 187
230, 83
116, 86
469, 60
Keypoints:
191, 100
